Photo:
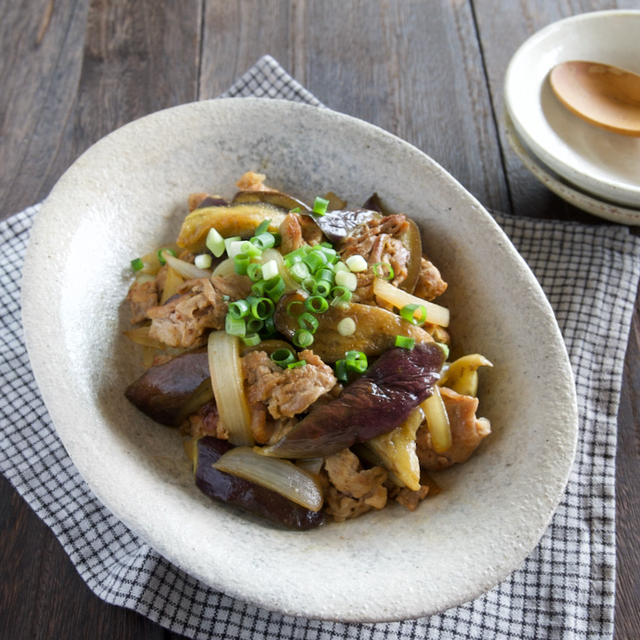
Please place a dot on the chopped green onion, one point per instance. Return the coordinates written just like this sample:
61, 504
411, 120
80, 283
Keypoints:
408, 312
257, 288
320, 206
161, 257
340, 266
308, 284
261, 308
295, 256
341, 371
295, 210
251, 339
315, 260
239, 309
262, 227
277, 239
254, 325
356, 263
203, 261
295, 365
303, 338
341, 296
356, 361
235, 247
308, 322
445, 349
269, 327
316, 304
254, 271
322, 288
241, 262
405, 342
274, 288
379, 268
269, 269
346, 327
291, 304
215, 242
235, 326
347, 279
299, 271
283, 357
137, 264
324, 274
263, 241
228, 242
251, 249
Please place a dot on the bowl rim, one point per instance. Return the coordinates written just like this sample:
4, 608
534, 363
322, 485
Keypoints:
31, 306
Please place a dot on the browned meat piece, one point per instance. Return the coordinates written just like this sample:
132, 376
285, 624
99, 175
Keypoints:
311, 232
409, 499
142, 296
199, 200
353, 490
378, 240
286, 392
233, 285
430, 284
251, 181
291, 233
199, 305
467, 432
205, 423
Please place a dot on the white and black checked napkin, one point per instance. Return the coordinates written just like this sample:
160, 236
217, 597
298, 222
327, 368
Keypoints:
565, 589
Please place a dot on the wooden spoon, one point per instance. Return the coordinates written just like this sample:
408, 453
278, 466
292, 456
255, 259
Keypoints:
606, 96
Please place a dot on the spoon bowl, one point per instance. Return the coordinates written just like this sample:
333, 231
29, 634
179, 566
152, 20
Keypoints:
603, 95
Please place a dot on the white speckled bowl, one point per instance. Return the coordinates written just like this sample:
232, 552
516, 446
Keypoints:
127, 195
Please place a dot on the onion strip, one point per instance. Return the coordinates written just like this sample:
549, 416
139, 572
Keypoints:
184, 268
227, 381
275, 474
437, 421
387, 292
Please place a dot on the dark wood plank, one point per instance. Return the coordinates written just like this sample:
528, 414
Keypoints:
378, 61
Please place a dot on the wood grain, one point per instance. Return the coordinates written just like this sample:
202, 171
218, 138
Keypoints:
431, 72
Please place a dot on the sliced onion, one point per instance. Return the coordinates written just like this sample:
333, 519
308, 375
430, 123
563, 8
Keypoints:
225, 268
310, 465
437, 421
273, 254
140, 335
227, 381
387, 292
172, 283
275, 474
184, 268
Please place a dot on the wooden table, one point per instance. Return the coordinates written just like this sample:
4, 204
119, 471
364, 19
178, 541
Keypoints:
430, 71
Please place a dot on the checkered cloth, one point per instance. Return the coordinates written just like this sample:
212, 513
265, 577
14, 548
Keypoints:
565, 589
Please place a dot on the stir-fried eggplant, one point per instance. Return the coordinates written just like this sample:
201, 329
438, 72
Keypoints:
245, 494
376, 328
376, 403
338, 224
272, 197
169, 392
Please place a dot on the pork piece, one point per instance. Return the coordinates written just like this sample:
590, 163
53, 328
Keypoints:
286, 392
467, 432
407, 498
199, 305
205, 423
251, 181
291, 233
353, 490
141, 297
430, 284
378, 240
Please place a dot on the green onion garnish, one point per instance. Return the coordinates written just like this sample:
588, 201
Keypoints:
269, 327
251, 339
316, 304
320, 206
270, 269
258, 288
341, 371
315, 260
215, 242
203, 261
283, 357
262, 227
295, 365
240, 263
324, 274
254, 271
254, 325
238, 309
228, 242
261, 308
274, 288
322, 288
408, 312
341, 296
137, 264
379, 270
263, 241
295, 210
303, 338
356, 361
299, 271
161, 257
235, 326
308, 322
308, 284
445, 349
405, 342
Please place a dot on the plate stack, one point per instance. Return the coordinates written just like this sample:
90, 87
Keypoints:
589, 167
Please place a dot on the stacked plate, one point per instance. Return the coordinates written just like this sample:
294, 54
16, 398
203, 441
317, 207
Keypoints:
591, 168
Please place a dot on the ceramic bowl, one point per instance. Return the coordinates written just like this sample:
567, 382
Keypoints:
127, 194
600, 162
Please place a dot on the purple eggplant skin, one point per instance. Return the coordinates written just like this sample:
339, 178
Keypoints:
338, 224
376, 403
164, 391
248, 495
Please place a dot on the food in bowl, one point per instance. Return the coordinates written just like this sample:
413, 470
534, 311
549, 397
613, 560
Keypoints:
299, 351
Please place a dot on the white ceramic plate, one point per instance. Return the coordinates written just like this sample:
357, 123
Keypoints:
554, 183
599, 162
127, 195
